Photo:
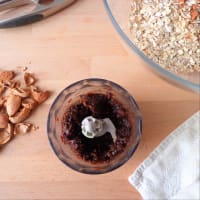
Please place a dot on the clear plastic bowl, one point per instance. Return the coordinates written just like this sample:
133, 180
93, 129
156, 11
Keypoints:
118, 11
58, 109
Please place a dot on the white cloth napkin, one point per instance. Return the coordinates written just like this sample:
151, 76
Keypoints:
172, 170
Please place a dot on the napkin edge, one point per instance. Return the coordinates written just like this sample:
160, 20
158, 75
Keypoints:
136, 178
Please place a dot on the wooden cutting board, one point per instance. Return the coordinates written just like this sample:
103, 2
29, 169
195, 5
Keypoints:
77, 43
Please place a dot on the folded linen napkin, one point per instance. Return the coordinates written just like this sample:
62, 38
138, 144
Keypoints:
172, 170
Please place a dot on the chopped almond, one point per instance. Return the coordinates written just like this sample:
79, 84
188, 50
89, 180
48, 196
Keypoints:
20, 116
22, 92
6, 75
39, 95
29, 79
13, 104
6, 134
3, 120
22, 128
29, 103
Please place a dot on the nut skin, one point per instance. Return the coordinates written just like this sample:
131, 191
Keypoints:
13, 104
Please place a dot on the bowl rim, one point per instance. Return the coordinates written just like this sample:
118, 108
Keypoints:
152, 64
123, 161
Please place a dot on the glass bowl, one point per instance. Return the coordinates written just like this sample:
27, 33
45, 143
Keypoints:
118, 11
58, 109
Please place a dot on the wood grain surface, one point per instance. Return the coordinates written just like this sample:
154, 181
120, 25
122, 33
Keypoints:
77, 43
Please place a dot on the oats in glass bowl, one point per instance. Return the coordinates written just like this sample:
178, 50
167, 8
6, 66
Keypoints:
168, 32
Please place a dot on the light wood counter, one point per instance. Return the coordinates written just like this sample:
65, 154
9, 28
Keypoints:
77, 43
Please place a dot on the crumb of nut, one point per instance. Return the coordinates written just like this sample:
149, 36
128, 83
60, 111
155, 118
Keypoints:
22, 128
29, 79
35, 127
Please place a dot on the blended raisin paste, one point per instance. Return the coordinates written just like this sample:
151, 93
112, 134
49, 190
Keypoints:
98, 149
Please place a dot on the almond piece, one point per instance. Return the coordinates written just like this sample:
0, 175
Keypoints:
22, 92
6, 75
16, 84
11, 84
29, 79
13, 104
3, 120
22, 128
29, 103
3, 101
6, 134
38, 95
2, 89
20, 116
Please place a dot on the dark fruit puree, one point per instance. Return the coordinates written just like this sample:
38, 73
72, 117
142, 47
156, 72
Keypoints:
98, 149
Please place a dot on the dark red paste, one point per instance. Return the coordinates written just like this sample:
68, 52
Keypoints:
99, 149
